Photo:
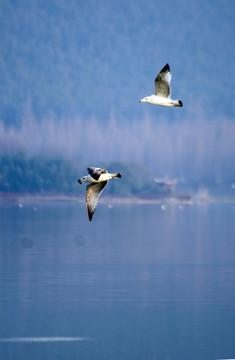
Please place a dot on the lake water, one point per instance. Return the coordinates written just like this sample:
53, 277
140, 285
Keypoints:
141, 281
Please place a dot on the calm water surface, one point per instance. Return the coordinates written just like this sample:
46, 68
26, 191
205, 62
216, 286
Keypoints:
139, 282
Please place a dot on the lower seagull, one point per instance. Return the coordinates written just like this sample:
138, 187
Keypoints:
98, 179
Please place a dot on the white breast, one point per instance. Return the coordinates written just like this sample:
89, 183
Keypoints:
162, 101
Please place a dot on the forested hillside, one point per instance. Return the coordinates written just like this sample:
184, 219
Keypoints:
87, 58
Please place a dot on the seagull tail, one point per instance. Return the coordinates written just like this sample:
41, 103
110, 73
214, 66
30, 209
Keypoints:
117, 175
177, 103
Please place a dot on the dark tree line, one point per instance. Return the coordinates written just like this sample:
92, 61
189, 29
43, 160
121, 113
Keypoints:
20, 173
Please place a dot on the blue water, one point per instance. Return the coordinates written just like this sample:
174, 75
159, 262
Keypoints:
140, 281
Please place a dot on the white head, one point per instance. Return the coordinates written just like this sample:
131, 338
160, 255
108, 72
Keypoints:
87, 178
145, 99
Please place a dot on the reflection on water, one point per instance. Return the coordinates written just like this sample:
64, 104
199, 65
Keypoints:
43, 339
139, 282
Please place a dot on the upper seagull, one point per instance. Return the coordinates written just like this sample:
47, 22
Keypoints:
162, 90
98, 179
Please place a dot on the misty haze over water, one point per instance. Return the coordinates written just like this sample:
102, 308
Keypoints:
193, 148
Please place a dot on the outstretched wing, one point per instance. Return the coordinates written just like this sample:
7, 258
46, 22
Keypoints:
92, 195
95, 172
162, 82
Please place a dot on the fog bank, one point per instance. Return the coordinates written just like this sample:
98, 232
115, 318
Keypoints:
194, 149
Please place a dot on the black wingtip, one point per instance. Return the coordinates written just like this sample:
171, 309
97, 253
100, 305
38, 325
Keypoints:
180, 103
89, 215
119, 175
79, 181
166, 68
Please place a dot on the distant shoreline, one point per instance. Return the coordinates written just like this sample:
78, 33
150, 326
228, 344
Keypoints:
110, 198
180, 198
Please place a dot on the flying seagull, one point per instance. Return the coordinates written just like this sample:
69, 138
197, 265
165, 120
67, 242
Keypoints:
98, 179
162, 90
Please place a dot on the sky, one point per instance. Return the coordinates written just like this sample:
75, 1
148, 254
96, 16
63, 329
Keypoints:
73, 73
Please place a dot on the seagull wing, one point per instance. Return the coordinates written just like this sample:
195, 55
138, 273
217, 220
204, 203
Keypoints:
92, 195
162, 82
95, 172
